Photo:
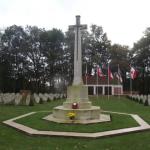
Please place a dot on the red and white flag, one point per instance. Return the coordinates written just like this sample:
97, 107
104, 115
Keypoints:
133, 73
118, 75
99, 72
110, 75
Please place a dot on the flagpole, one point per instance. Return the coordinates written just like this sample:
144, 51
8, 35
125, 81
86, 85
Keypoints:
131, 76
118, 83
130, 86
97, 81
108, 79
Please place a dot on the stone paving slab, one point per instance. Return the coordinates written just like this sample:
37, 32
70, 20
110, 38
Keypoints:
21, 127
18, 126
142, 127
21, 116
102, 118
140, 121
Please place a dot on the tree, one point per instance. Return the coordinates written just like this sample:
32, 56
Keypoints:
52, 42
5, 80
96, 47
120, 56
35, 61
69, 54
35, 57
141, 58
12, 45
99, 45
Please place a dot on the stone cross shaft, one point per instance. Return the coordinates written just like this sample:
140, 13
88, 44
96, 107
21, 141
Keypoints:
77, 51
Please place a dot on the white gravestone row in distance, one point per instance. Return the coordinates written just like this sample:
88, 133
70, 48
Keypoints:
141, 98
19, 99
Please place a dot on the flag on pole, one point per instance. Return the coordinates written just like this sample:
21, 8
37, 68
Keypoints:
104, 66
133, 73
92, 72
99, 72
118, 75
110, 75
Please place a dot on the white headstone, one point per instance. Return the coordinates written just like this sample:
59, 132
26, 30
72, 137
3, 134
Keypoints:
141, 98
8, 98
1, 98
51, 96
36, 98
46, 95
144, 98
43, 97
138, 97
149, 100
28, 98
18, 98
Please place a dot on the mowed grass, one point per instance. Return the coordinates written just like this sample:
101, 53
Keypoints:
11, 139
118, 121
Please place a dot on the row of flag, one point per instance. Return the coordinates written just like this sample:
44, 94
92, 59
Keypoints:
99, 72
110, 74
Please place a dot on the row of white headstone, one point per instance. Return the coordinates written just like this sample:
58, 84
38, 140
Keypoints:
19, 99
45, 97
141, 98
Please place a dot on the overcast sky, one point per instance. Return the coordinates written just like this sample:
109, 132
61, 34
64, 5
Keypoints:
124, 21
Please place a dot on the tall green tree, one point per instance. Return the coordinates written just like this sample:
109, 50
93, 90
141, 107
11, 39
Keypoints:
99, 45
12, 45
119, 55
141, 59
69, 54
96, 47
34, 68
52, 42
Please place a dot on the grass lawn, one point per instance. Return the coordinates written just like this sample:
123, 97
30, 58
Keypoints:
118, 121
10, 139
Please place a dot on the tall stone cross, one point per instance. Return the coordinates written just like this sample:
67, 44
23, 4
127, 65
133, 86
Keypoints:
77, 51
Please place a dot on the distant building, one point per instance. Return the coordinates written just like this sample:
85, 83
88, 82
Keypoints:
100, 86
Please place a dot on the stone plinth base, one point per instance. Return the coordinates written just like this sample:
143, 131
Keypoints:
77, 102
82, 105
60, 112
102, 118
